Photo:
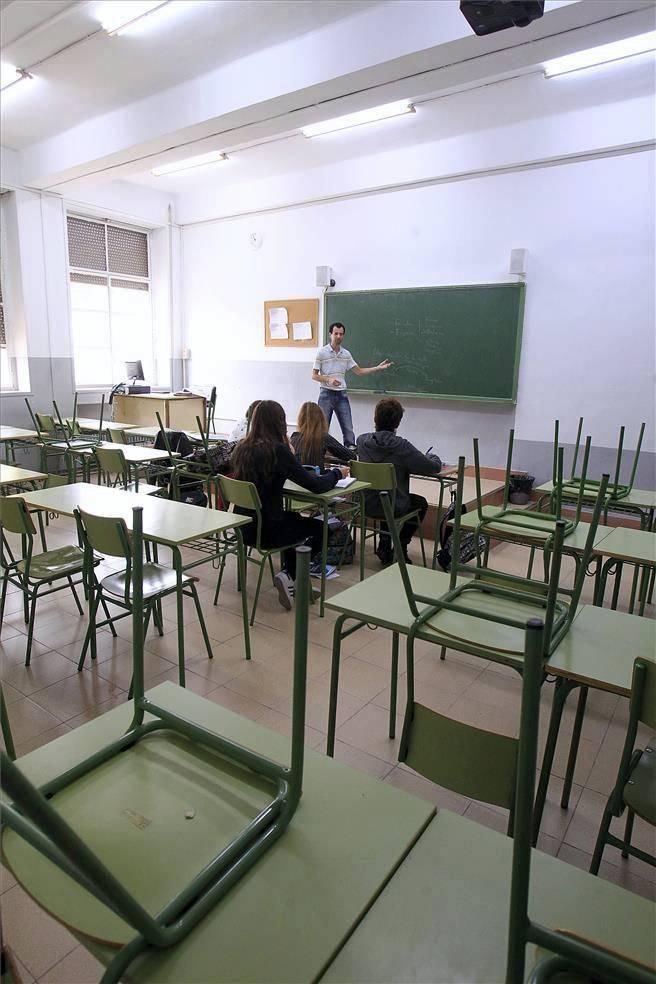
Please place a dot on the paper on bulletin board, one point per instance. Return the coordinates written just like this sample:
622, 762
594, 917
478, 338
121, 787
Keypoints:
302, 330
278, 322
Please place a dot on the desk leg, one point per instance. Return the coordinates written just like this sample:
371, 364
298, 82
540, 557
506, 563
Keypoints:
338, 635
561, 693
241, 567
394, 679
324, 557
177, 566
363, 530
574, 747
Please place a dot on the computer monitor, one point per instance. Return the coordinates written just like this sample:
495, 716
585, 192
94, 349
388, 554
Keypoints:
134, 370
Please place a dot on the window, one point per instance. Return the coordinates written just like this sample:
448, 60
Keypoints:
111, 310
7, 364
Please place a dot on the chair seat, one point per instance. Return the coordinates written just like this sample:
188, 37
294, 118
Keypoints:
156, 580
640, 791
54, 563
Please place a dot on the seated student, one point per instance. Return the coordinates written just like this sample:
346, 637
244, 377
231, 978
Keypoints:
264, 458
311, 442
241, 427
384, 445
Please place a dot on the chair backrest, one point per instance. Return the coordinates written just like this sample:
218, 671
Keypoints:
380, 475
46, 423
467, 760
106, 534
56, 481
583, 956
242, 494
117, 436
15, 516
212, 400
111, 461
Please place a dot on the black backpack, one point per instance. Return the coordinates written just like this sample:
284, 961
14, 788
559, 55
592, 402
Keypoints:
467, 541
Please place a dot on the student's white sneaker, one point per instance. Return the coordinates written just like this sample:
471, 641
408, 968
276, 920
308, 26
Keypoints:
285, 586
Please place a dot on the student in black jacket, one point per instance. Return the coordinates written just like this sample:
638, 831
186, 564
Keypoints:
264, 458
384, 445
312, 442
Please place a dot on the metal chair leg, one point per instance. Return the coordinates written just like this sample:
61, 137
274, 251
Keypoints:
30, 631
628, 831
257, 591
74, 593
574, 747
201, 620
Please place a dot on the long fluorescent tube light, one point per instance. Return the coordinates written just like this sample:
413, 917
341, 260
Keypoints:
10, 75
201, 160
603, 53
385, 112
122, 16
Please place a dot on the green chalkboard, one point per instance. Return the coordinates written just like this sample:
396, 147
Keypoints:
447, 343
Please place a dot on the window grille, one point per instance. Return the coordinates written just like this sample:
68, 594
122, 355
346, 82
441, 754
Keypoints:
127, 251
86, 244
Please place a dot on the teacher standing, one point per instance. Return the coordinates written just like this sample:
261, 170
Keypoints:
331, 364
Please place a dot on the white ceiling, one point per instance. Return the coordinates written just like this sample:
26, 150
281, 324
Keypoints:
102, 73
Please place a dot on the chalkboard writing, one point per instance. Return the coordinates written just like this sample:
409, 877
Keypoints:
459, 343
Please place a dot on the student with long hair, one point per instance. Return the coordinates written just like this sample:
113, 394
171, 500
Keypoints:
311, 442
264, 458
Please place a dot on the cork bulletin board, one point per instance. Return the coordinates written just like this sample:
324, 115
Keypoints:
292, 323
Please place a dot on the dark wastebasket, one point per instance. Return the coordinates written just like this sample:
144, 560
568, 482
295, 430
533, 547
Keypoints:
520, 489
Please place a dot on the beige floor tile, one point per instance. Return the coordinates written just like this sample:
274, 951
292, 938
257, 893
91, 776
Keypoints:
23, 747
452, 677
118, 671
228, 662
107, 646
193, 681
368, 730
620, 875
76, 694
483, 814
283, 724
410, 782
12, 651
37, 940
43, 671
77, 967
7, 880
28, 719
360, 760
555, 819
10, 693
316, 711
237, 703
269, 687
362, 679
120, 696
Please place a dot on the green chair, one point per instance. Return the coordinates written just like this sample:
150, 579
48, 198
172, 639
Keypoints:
110, 536
48, 440
51, 482
7, 736
210, 411
635, 786
244, 495
115, 470
577, 485
117, 436
566, 957
382, 478
142, 882
34, 571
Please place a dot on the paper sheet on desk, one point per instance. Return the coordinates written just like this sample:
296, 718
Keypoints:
302, 330
344, 483
278, 322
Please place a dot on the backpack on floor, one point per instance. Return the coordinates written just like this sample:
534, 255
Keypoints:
340, 544
467, 541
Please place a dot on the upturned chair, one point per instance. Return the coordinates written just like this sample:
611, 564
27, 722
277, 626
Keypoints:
114, 876
581, 484
34, 572
563, 956
244, 495
382, 478
210, 411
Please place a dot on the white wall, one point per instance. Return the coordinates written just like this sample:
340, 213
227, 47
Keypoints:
588, 344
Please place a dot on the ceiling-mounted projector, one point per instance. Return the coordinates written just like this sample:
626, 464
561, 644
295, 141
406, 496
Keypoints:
488, 16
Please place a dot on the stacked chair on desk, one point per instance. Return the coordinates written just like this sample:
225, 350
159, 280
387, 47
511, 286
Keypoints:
145, 885
576, 484
482, 612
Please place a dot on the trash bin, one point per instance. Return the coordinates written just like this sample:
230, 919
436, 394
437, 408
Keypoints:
520, 489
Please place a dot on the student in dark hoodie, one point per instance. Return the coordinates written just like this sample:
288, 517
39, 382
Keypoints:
384, 445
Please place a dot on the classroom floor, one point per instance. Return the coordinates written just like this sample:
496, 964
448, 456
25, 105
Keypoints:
51, 698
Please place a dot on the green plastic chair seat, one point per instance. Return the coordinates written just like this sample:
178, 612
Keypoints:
156, 580
640, 791
54, 563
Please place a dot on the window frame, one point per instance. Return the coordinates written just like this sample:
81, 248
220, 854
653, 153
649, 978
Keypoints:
10, 357
86, 271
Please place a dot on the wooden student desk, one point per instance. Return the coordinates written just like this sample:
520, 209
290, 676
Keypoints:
135, 455
641, 502
11, 475
637, 548
9, 436
177, 412
172, 524
367, 884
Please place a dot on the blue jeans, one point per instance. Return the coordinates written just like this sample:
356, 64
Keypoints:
338, 401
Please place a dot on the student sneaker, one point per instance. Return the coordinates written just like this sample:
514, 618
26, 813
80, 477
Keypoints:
285, 586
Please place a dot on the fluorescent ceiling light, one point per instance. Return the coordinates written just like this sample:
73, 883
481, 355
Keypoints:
120, 16
201, 160
602, 54
357, 119
10, 75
